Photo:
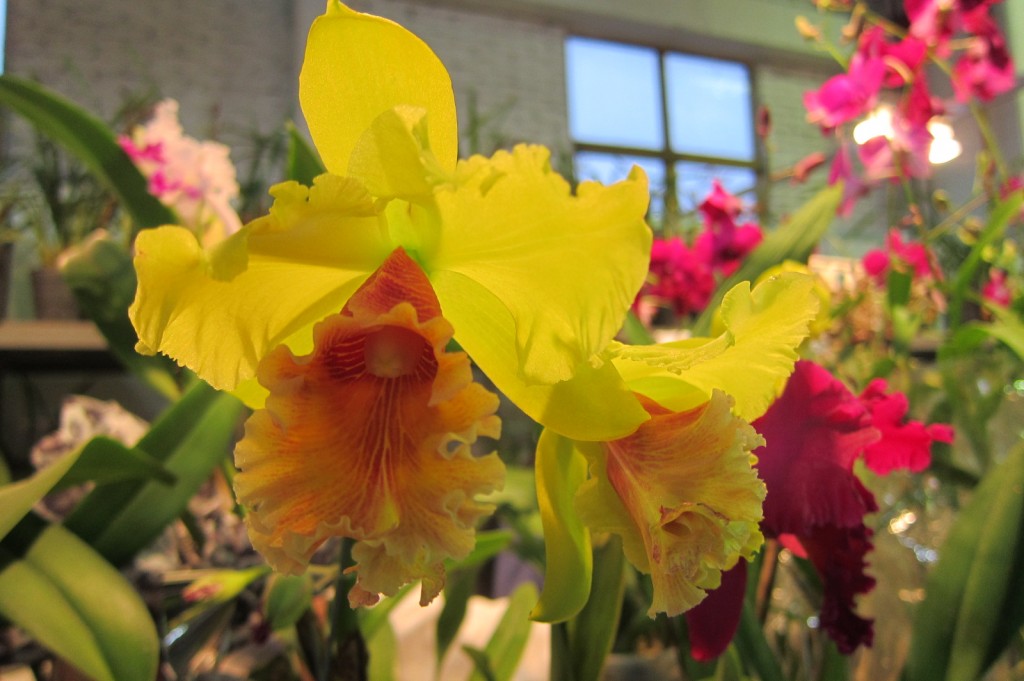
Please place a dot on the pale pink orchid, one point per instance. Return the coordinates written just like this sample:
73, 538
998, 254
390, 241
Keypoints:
195, 179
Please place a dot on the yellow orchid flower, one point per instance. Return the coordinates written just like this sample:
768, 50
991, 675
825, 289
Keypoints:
357, 405
681, 490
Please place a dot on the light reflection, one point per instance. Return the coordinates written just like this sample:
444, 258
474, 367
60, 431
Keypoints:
943, 148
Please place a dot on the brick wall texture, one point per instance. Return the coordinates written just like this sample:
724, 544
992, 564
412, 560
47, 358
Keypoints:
232, 65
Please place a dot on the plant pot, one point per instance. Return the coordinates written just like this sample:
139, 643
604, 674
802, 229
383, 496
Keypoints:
52, 296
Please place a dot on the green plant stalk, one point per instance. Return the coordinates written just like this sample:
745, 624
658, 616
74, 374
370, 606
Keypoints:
346, 649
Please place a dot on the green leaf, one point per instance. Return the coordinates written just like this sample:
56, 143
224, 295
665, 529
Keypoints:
481, 664
730, 667
794, 240
382, 648
509, 639
189, 439
488, 544
568, 564
459, 586
105, 460
101, 459
60, 591
898, 285
592, 632
974, 602
285, 599
303, 162
91, 141
1007, 329
372, 619
753, 647
104, 282
966, 273
18, 498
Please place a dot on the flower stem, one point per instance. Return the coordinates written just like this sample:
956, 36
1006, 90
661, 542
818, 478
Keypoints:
346, 651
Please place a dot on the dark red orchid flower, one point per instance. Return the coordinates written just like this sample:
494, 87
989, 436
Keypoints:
814, 433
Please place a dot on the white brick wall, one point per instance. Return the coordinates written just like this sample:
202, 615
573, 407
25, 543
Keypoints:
227, 61
233, 63
791, 138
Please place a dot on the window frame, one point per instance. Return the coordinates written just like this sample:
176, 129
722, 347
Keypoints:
666, 154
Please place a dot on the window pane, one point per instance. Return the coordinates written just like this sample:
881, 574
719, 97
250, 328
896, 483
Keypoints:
614, 94
693, 182
609, 168
709, 107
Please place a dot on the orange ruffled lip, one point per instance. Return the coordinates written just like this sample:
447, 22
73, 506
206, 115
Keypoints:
682, 493
369, 437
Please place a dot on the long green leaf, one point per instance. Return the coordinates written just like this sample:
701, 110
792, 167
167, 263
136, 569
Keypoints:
973, 605
795, 240
18, 498
461, 584
89, 139
593, 631
101, 460
285, 598
458, 589
1007, 329
967, 271
54, 586
568, 555
382, 648
104, 461
372, 619
190, 439
509, 639
753, 647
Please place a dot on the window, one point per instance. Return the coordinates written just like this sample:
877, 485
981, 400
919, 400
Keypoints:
683, 118
3, 32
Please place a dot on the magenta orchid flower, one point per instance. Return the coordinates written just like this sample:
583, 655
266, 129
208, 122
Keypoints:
903, 255
904, 444
847, 96
997, 290
936, 21
679, 279
724, 242
985, 69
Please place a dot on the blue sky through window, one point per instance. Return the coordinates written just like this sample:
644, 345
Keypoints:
616, 99
614, 93
709, 108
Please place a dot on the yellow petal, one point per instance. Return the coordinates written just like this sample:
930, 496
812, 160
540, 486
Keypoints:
392, 158
369, 437
750, 360
594, 404
358, 66
684, 496
220, 312
821, 323
567, 268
